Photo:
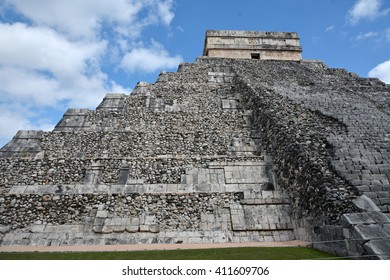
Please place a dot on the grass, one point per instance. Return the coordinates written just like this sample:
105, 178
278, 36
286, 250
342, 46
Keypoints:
251, 253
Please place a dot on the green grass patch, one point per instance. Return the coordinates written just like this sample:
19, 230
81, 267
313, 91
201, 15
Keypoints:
251, 253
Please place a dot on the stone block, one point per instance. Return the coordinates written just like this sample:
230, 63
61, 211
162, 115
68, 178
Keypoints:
37, 228
231, 187
173, 188
98, 229
51, 229
70, 229
202, 188
363, 188
157, 188
384, 201
132, 228
346, 233
154, 228
119, 228
17, 190
84, 189
377, 187
20, 242
56, 242
144, 228
102, 214
379, 217
130, 189
107, 228
135, 221
101, 189
356, 218
364, 203
214, 178
56, 236
217, 187
386, 227
378, 248
32, 189
116, 189
150, 220
5, 229
368, 232
116, 221
195, 240
99, 221
221, 178
383, 194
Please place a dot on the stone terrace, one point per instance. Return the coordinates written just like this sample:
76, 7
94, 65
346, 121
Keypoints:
176, 161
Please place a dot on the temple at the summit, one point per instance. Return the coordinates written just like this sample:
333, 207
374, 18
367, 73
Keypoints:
253, 45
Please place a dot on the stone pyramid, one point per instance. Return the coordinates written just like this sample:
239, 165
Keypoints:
269, 148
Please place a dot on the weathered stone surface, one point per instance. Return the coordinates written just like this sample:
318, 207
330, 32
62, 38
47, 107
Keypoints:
364, 203
356, 218
378, 249
379, 217
74, 120
37, 228
205, 150
368, 232
25, 144
5, 229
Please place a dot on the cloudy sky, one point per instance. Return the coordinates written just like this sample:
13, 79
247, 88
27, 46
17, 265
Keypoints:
70, 53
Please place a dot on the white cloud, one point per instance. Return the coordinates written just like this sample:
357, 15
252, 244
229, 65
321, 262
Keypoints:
387, 34
11, 122
84, 19
41, 48
149, 59
381, 71
329, 28
55, 57
165, 12
366, 9
41, 68
368, 35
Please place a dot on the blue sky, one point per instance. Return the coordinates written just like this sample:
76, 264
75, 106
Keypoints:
64, 54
